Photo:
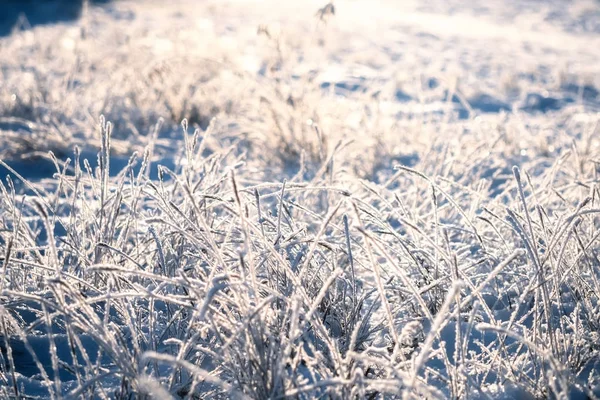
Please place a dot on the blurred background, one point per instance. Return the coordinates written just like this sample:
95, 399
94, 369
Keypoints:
22, 14
291, 79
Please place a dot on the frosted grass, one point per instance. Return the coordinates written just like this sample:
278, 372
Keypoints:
320, 225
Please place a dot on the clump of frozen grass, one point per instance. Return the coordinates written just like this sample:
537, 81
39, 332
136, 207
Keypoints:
450, 276
200, 284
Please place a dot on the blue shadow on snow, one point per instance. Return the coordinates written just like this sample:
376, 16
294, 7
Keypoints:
25, 13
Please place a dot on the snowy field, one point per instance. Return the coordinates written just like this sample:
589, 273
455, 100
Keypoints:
289, 199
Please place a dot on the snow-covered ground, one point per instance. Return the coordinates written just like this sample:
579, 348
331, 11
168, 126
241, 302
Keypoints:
366, 199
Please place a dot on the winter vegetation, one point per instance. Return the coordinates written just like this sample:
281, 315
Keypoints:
272, 200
